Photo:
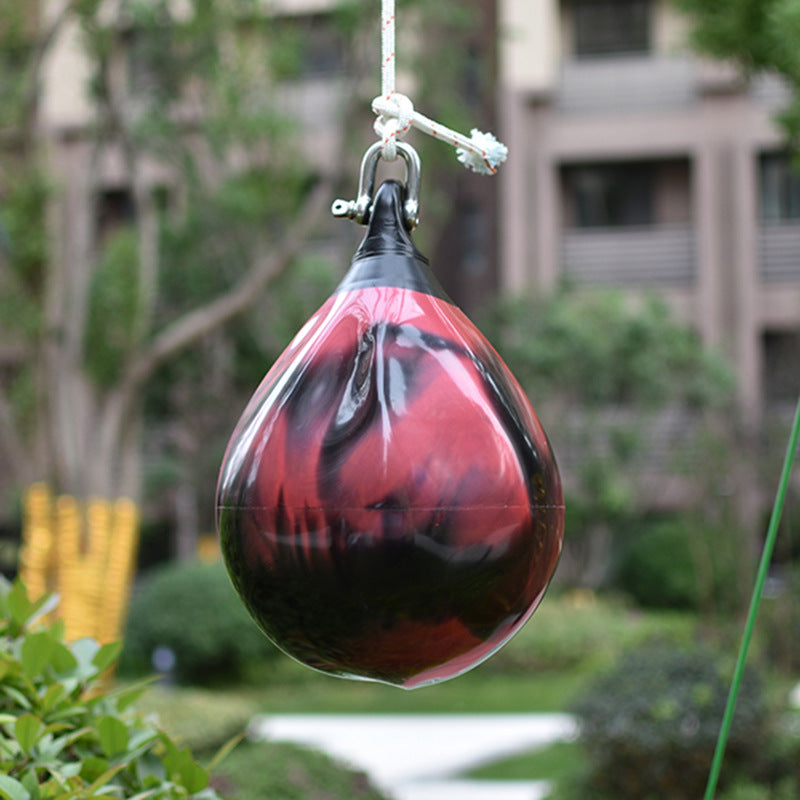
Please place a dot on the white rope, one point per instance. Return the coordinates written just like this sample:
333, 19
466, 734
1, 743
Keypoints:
481, 152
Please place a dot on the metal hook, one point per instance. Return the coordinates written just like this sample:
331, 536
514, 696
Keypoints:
360, 208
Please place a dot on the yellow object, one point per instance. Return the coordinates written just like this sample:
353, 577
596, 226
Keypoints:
86, 553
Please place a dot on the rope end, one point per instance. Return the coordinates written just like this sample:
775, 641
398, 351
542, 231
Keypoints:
487, 155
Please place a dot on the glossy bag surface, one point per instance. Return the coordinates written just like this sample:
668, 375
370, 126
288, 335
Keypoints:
389, 507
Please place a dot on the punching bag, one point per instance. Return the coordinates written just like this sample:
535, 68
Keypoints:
389, 507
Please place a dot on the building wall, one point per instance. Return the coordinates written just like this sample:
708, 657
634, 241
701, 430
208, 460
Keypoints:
706, 250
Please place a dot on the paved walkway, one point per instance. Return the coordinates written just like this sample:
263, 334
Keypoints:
412, 756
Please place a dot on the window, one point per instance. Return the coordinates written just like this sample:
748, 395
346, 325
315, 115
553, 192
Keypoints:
781, 367
611, 27
152, 61
780, 188
114, 209
607, 195
304, 47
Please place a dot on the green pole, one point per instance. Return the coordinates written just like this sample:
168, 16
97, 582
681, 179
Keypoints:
761, 577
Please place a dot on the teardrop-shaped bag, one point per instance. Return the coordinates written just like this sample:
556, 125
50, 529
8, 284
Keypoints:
389, 507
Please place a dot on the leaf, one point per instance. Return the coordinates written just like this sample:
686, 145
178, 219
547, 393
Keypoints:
128, 695
62, 659
107, 655
184, 769
193, 777
113, 736
93, 767
224, 751
19, 606
12, 789
37, 651
42, 607
102, 780
17, 697
27, 730
84, 650
51, 697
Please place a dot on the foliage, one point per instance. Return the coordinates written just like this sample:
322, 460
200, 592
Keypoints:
786, 789
289, 772
601, 349
63, 735
578, 630
657, 568
201, 719
192, 610
206, 185
685, 562
779, 626
758, 35
649, 727
113, 308
604, 371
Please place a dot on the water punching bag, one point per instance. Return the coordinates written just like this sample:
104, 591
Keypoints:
388, 506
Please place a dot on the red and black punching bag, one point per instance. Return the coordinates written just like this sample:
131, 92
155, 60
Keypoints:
388, 506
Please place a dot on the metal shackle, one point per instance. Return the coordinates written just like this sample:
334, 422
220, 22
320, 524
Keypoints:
360, 208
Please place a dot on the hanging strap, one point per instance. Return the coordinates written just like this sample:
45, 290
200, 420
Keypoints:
481, 152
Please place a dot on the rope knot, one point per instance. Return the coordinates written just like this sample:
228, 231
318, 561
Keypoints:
395, 116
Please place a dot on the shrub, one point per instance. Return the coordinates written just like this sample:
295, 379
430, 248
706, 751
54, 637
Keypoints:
650, 727
63, 735
657, 568
578, 629
287, 772
780, 624
202, 719
787, 789
193, 611
687, 563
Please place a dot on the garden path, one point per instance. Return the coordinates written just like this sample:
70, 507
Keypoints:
412, 756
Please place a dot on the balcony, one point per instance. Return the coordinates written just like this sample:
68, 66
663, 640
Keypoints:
779, 252
626, 83
642, 255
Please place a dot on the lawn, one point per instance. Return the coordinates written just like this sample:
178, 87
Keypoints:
541, 670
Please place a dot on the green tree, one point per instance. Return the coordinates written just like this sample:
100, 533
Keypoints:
756, 35
188, 112
138, 326
623, 391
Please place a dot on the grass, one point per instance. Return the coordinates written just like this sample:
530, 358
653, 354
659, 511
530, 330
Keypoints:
204, 718
546, 763
279, 771
541, 670
296, 689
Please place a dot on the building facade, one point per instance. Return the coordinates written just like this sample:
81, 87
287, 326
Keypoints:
635, 164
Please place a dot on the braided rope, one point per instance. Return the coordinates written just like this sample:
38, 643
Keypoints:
481, 152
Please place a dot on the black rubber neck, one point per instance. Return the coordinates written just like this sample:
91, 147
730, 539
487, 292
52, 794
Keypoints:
387, 256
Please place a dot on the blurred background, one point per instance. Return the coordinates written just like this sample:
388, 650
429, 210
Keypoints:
166, 167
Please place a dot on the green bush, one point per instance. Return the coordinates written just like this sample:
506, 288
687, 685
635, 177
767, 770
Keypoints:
275, 771
193, 611
649, 728
202, 719
658, 569
686, 563
786, 789
63, 735
780, 624
578, 629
